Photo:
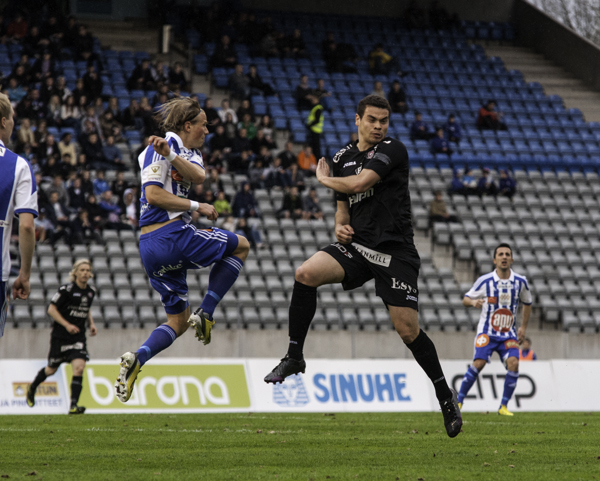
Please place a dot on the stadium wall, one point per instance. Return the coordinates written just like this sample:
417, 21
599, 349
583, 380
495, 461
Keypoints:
539, 31
496, 11
234, 343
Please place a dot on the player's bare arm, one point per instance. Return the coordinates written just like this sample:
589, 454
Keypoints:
93, 329
54, 314
523, 328
468, 302
352, 184
159, 197
21, 287
192, 172
343, 229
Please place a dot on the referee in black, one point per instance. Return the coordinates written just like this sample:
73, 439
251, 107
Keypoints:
70, 309
373, 227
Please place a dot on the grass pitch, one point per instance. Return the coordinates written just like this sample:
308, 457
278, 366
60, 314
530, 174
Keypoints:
412, 446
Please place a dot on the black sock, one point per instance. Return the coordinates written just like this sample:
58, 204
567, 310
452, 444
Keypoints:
425, 354
39, 378
302, 310
76, 386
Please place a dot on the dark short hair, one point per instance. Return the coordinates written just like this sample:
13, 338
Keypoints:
373, 101
504, 244
528, 340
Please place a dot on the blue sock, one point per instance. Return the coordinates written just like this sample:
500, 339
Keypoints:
510, 383
222, 276
467, 382
161, 338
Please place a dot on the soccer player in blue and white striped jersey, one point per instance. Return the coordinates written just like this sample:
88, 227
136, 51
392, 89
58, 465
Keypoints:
18, 197
498, 295
170, 245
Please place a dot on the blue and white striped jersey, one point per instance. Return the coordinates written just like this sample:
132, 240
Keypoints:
156, 170
18, 194
501, 302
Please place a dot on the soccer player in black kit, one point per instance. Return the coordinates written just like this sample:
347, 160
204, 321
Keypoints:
375, 241
70, 309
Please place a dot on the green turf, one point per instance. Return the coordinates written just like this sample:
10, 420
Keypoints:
533, 446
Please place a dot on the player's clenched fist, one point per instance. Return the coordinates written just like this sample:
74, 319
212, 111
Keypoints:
160, 145
344, 233
209, 211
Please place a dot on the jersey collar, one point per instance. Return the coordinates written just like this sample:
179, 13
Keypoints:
176, 138
497, 277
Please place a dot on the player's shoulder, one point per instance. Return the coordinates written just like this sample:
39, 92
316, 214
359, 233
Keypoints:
393, 148
347, 149
484, 278
91, 290
66, 287
520, 277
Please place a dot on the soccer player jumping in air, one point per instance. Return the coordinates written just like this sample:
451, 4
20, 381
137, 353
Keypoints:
498, 294
170, 245
375, 241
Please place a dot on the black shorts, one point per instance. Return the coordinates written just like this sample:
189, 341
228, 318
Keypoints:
396, 271
65, 351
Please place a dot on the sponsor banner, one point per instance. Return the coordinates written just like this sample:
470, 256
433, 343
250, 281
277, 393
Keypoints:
52, 396
169, 385
343, 385
576, 382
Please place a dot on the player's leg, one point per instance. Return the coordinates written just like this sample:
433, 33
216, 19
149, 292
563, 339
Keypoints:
54, 361
469, 379
322, 268
78, 366
510, 383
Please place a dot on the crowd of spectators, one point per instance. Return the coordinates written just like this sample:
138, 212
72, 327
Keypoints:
467, 184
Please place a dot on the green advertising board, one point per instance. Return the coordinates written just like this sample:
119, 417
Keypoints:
168, 387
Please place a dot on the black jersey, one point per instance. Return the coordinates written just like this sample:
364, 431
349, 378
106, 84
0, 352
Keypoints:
381, 216
74, 305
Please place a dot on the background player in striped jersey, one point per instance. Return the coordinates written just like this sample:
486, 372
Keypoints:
18, 197
498, 295
169, 244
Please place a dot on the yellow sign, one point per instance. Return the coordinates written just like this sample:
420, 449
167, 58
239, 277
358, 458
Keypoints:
46, 389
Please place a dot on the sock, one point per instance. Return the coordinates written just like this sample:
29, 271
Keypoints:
161, 338
39, 378
467, 382
425, 354
302, 310
510, 383
76, 386
222, 276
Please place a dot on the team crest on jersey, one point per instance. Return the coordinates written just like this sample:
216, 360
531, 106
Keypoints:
502, 320
154, 168
505, 298
482, 340
371, 154
358, 169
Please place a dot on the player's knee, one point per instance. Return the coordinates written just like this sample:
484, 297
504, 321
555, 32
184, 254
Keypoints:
512, 364
305, 276
479, 364
242, 249
50, 370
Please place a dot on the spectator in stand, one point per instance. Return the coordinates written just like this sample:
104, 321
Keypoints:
113, 108
224, 54
469, 182
48, 149
15, 92
381, 62
247, 125
274, 175
111, 211
119, 185
439, 144
269, 46
177, 78
44, 67
438, 212
419, 130
307, 161
53, 112
245, 108
526, 353
17, 29
86, 181
222, 205
323, 94
230, 128
160, 74
141, 77
489, 118
312, 206
76, 195
266, 125
130, 209
70, 113
486, 184
397, 98
90, 116
84, 45
25, 135
84, 231
130, 116
58, 214
456, 186
262, 141
212, 116
292, 207
47, 89
92, 83
100, 184
112, 154
378, 89
244, 204
249, 232
220, 141
303, 93
256, 174
213, 182
287, 156
226, 109
94, 210
94, 152
241, 142
61, 89
58, 186
314, 124
43, 226
66, 146
294, 45
256, 84
507, 185
162, 95
111, 127
296, 177
452, 129
238, 83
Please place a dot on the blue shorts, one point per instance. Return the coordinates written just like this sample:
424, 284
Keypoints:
486, 346
3, 305
167, 253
